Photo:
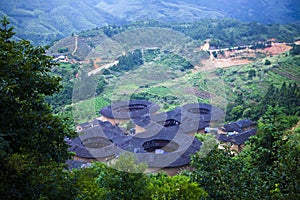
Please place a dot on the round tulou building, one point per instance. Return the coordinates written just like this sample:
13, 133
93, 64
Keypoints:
161, 140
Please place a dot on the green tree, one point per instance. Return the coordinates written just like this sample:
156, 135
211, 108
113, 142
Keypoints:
124, 179
162, 186
222, 175
267, 62
32, 145
237, 112
286, 169
295, 50
264, 146
251, 73
86, 182
272, 155
101, 84
27, 124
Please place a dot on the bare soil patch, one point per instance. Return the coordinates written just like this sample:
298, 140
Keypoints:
276, 49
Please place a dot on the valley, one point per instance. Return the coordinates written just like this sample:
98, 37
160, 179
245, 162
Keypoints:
169, 59
158, 99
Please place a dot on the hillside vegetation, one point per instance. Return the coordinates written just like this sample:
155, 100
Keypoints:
45, 21
169, 55
189, 10
222, 33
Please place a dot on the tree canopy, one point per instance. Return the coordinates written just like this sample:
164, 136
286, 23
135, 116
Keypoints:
31, 137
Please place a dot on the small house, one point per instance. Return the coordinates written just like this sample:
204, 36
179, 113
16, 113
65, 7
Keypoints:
237, 141
239, 126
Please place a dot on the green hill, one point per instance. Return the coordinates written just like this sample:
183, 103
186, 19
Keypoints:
167, 76
223, 33
45, 21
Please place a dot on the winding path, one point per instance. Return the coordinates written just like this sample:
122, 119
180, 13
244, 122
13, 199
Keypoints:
76, 45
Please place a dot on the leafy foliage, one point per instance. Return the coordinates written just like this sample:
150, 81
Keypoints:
163, 186
129, 62
32, 145
27, 124
295, 50
124, 179
266, 168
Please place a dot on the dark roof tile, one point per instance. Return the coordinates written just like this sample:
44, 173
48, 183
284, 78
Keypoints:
179, 157
129, 109
238, 126
239, 138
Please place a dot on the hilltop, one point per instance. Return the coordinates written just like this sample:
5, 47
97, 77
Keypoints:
222, 33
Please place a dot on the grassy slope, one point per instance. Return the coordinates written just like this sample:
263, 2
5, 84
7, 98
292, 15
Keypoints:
223, 86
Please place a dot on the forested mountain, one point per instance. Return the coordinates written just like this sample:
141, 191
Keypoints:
45, 21
264, 11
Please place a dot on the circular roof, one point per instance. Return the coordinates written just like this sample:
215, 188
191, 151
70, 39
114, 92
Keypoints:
186, 122
97, 142
129, 109
202, 112
181, 146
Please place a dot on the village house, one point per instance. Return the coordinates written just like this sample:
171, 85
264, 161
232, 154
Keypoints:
60, 58
237, 141
239, 126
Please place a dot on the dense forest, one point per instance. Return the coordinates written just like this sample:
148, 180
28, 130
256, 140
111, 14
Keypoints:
33, 151
222, 32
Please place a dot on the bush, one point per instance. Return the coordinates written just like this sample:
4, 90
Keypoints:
63, 50
267, 62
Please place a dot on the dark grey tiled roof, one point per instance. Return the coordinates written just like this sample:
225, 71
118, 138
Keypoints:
232, 127
120, 143
85, 125
184, 121
164, 119
239, 138
238, 126
223, 138
242, 137
245, 123
75, 164
108, 127
187, 145
109, 135
165, 129
202, 112
129, 109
